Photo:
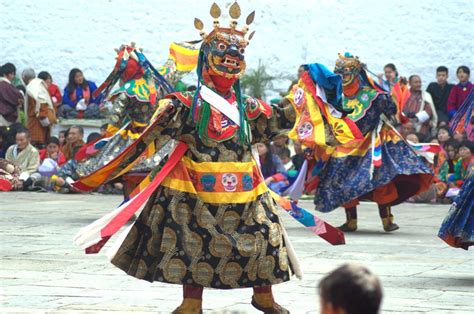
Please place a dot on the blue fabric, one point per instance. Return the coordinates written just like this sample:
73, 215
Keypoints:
459, 223
79, 95
327, 80
347, 178
465, 110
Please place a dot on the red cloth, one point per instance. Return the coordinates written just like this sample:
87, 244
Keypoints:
457, 96
55, 94
44, 154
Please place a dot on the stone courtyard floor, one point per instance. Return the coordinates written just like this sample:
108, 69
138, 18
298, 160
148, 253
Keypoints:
42, 271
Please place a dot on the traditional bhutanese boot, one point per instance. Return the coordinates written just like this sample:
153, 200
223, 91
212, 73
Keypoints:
192, 300
262, 300
351, 220
385, 213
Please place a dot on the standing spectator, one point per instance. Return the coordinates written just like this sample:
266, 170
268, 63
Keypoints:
10, 97
460, 91
391, 78
24, 154
74, 141
350, 289
77, 98
39, 108
439, 91
419, 107
53, 89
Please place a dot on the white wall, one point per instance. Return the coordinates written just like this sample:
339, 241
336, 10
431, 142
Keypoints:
416, 35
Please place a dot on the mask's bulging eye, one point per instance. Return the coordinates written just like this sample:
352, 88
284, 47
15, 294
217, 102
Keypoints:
221, 46
242, 50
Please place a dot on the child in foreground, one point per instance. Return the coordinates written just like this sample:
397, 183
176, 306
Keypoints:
350, 289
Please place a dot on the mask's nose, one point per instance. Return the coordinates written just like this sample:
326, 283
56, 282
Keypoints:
233, 51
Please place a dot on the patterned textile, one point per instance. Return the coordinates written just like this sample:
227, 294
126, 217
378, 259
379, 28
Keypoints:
359, 152
347, 174
457, 229
190, 232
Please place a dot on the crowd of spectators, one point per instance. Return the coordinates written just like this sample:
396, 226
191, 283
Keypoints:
31, 105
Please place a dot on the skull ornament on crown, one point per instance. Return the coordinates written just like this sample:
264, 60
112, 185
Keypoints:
348, 67
223, 48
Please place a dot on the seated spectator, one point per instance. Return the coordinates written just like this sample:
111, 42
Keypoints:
74, 141
9, 176
413, 137
94, 136
279, 143
443, 135
285, 157
460, 91
299, 157
419, 107
3, 141
439, 91
52, 151
40, 110
53, 89
67, 174
10, 97
77, 98
407, 128
459, 137
272, 168
103, 129
24, 155
62, 139
447, 167
350, 289
463, 166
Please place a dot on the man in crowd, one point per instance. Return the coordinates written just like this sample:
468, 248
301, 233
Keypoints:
350, 288
39, 108
10, 97
419, 108
439, 92
24, 155
74, 141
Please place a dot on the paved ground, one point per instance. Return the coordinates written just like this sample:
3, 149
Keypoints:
42, 271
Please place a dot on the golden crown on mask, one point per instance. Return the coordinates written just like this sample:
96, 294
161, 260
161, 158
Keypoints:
351, 62
234, 12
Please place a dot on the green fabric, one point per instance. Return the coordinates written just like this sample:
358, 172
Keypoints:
460, 173
360, 103
443, 172
135, 88
180, 86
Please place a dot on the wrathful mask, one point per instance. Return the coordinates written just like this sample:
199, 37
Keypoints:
348, 67
224, 47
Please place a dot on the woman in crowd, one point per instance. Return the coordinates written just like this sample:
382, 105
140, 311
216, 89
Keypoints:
460, 91
463, 166
53, 89
78, 101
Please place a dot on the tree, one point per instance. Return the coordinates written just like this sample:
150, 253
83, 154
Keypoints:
257, 81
